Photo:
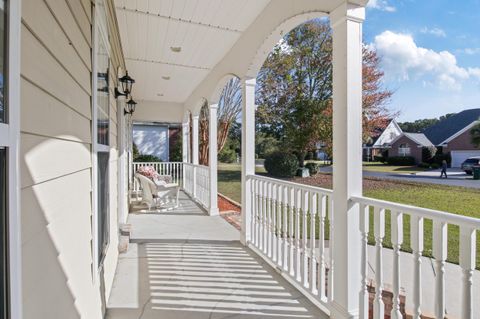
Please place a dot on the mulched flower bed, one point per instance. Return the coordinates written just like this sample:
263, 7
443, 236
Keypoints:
325, 181
230, 211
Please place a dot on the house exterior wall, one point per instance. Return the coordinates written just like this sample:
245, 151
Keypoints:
165, 112
462, 142
415, 151
58, 273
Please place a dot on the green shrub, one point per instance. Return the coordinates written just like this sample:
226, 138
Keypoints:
380, 159
439, 158
227, 155
401, 160
147, 158
281, 164
424, 165
313, 168
428, 153
435, 166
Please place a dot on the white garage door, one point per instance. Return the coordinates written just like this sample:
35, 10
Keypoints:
459, 156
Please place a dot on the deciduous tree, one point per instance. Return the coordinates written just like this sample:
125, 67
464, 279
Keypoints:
295, 90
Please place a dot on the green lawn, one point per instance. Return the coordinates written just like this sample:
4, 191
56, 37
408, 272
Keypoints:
229, 180
380, 167
457, 200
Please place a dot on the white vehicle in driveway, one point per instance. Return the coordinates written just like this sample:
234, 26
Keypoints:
469, 163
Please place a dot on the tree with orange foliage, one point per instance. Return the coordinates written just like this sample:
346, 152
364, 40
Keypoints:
295, 90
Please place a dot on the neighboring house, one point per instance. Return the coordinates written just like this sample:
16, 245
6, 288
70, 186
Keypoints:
453, 135
410, 144
383, 142
155, 138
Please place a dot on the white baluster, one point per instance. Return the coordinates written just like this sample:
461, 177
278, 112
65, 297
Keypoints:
397, 241
331, 247
291, 238
280, 233
440, 254
321, 246
265, 218
251, 181
254, 212
313, 256
364, 228
467, 262
268, 202
298, 201
274, 223
379, 232
416, 230
305, 210
285, 225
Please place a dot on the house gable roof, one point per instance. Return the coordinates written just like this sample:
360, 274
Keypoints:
444, 130
383, 139
419, 138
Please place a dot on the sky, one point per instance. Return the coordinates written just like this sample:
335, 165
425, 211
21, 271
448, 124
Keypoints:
430, 52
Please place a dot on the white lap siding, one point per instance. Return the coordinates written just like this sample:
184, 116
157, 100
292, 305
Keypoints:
56, 163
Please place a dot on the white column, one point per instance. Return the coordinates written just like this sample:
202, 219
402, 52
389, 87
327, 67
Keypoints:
346, 21
185, 142
248, 155
212, 159
184, 150
195, 120
195, 143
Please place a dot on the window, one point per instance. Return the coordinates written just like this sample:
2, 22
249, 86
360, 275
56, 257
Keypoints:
3, 235
101, 113
404, 150
102, 204
3, 55
103, 110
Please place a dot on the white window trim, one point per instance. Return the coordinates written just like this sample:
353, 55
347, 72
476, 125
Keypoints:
96, 148
10, 138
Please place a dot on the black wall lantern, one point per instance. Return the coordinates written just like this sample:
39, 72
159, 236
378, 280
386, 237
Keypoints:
131, 104
126, 82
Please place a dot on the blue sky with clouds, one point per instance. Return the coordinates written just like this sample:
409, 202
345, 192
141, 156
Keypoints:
430, 53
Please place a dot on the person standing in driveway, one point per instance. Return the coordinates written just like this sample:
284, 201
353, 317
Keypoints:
444, 169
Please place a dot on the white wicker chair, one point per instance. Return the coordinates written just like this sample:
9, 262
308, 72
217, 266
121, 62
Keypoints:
157, 195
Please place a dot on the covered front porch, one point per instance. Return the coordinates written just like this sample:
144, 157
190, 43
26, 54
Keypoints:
302, 251
187, 264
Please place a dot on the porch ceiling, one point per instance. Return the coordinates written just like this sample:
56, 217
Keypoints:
205, 30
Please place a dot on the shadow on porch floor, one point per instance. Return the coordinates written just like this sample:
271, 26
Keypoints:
190, 265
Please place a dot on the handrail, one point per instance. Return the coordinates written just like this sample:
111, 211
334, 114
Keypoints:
304, 187
421, 212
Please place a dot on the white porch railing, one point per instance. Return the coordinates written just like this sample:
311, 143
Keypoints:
197, 183
173, 169
289, 227
439, 221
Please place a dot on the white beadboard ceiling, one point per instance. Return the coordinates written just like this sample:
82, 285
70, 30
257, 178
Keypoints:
204, 29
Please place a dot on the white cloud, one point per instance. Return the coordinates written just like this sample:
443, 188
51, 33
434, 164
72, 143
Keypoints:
471, 51
382, 5
434, 31
403, 60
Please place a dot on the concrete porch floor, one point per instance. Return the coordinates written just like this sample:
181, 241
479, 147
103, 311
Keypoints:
186, 264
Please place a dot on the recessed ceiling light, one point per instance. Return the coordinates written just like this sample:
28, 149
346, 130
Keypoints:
166, 78
176, 49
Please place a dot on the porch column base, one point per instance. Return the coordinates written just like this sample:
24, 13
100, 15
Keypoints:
214, 211
339, 312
